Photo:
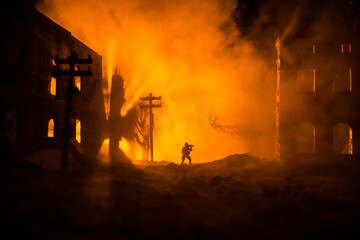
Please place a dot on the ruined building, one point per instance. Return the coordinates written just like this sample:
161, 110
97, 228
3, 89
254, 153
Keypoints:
320, 93
33, 100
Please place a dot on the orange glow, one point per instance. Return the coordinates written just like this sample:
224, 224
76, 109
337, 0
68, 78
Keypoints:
350, 79
277, 99
342, 139
77, 81
108, 73
191, 54
52, 86
313, 82
350, 151
78, 130
103, 154
131, 149
51, 128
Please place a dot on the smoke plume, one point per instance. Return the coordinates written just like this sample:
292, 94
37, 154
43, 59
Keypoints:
193, 54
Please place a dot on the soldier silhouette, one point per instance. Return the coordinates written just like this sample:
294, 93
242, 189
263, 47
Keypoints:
186, 152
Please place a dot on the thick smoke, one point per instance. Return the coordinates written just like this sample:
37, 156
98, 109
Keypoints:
310, 28
193, 54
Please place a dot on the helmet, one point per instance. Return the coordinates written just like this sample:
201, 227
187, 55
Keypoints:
186, 144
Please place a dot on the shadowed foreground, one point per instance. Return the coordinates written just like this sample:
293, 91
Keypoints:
236, 197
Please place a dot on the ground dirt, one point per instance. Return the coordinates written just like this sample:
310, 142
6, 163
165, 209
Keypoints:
238, 197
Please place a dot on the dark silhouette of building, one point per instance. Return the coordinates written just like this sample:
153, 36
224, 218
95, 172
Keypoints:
320, 91
32, 101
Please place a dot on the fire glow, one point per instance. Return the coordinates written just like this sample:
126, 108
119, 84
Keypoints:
192, 55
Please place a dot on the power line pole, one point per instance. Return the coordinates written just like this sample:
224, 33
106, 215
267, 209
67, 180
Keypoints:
71, 90
150, 98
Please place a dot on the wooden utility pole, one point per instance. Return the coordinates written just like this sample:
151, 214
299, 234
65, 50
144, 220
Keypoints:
150, 98
71, 90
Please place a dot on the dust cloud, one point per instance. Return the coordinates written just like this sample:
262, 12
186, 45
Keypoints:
193, 55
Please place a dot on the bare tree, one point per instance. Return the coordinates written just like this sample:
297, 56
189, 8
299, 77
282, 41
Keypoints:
238, 132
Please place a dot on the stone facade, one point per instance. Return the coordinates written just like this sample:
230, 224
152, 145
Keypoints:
29, 42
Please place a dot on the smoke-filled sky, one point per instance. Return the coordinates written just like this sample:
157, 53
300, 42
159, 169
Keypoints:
194, 55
